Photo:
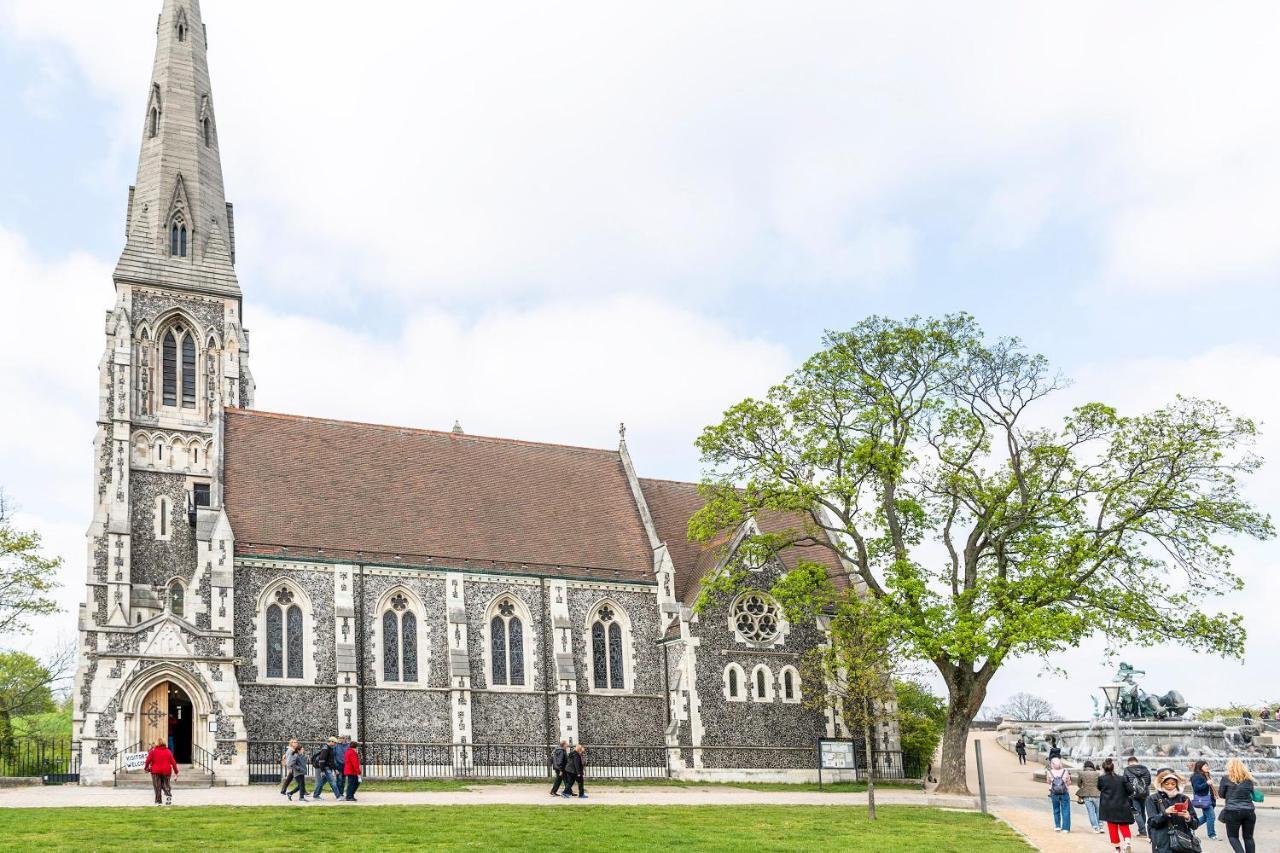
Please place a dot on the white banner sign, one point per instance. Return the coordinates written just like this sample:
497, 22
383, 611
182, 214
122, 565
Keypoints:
134, 761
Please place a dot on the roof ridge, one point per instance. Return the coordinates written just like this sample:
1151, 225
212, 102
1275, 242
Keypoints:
672, 482
417, 430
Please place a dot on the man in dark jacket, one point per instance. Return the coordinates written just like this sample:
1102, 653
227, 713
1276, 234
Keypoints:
1137, 779
323, 762
557, 766
339, 761
575, 765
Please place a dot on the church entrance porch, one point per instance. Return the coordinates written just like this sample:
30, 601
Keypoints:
165, 715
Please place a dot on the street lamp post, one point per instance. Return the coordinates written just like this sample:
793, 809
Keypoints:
1112, 692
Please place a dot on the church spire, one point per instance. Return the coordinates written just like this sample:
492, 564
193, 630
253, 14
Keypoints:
180, 229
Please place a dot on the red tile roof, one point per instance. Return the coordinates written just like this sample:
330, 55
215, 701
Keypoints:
311, 487
673, 503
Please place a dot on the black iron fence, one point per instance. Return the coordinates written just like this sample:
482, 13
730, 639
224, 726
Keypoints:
53, 761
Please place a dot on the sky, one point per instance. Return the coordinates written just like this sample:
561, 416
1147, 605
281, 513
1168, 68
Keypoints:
542, 220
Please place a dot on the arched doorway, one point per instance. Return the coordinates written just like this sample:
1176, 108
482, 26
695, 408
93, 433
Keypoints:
166, 714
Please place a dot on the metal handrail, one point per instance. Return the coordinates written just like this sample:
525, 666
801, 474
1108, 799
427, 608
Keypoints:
120, 754
201, 757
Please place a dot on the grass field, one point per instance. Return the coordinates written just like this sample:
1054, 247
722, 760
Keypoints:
464, 784
731, 829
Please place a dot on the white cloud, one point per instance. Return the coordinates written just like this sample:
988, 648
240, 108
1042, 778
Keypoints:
463, 150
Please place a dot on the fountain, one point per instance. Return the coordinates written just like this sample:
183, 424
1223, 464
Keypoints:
1157, 731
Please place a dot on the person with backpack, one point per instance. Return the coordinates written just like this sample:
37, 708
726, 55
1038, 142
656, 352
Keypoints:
558, 757
1059, 779
298, 772
1203, 797
322, 761
1114, 807
575, 766
1239, 796
1171, 819
1021, 748
339, 763
1138, 780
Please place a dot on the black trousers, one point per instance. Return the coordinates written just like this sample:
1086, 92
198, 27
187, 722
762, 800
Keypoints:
353, 782
299, 786
1239, 823
560, 779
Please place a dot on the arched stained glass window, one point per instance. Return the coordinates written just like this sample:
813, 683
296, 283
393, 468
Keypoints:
498, 650
733, 683
295, 641
515, 639
169, 357
178, 238
409, 645
275, 642
599, 660
176, 595
390, 647
607, 668
615, 656
188, 373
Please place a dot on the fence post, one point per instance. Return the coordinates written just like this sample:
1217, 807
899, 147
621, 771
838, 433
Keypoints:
982, 779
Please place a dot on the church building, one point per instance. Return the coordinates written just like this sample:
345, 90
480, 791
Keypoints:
255, 576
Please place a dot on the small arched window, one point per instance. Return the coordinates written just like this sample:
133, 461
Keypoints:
399, 641
153, 123
762, 684
759, 684
182, 33
790, 684
208, 131
736, 685
733, 684
607, 669
506, 645
177, 594
284, 636
178, 237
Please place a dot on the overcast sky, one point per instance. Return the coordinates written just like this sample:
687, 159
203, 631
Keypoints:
543, 219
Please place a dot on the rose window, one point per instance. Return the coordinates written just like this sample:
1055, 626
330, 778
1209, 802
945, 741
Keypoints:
756, 618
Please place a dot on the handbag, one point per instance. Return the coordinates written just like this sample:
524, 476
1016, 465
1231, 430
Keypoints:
1202, 801
1257, 796
1182, 841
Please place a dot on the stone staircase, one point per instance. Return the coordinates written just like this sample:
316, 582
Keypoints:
189, 776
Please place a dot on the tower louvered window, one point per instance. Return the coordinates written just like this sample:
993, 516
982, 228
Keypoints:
170, 369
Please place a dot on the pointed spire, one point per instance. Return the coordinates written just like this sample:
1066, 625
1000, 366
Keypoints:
180, 218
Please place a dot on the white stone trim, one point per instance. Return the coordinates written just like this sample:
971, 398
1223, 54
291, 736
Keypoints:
760, 670
309, 633
623, 619
797, 695
526, 628
421, 631
744, 687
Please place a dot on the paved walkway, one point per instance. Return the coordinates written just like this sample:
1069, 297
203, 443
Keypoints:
481, 795
1023, 803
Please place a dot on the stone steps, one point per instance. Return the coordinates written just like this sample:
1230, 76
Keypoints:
187, 778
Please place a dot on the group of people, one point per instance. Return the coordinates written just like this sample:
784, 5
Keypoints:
336, 764
568, 764
1264, 714
1163, 812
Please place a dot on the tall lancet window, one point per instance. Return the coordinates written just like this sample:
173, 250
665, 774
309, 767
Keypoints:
607, 668
188, 373
170, 368
399, 641
506, 645
177, 374
153, 123
284, 636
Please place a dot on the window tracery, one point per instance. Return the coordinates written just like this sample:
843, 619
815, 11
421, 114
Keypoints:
756, 618
284, 634
610, 640
399, 640
506, 645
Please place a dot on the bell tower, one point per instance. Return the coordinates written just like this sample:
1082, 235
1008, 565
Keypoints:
176, 354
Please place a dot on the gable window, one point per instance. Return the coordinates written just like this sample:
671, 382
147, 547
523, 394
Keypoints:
399, 641
284, 636
506, 645
177, 594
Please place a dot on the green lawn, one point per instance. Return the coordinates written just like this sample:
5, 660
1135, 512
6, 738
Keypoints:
464, 784
732, 829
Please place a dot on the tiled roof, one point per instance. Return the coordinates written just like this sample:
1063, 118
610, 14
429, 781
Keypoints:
672, 504
315, 487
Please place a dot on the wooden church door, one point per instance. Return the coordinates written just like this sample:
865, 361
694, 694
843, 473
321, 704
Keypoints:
155, 715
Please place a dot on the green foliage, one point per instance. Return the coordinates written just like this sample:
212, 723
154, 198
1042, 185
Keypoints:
921, 717
25, 685
26, 577
902, 439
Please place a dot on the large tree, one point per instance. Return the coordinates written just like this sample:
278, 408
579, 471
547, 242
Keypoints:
926, 457
1028, 708
26, 575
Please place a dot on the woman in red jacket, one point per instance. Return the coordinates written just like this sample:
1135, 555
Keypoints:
160, 764
351, 771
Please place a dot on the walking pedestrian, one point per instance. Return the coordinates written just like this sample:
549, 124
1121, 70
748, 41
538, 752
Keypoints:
1055, 751
1169, 812
351, 770
1059, 779
1239, 794
298, 770
323, 763
1138, 779
1114, 807
161, 765
1021, 748
558, 757
286, 776
1203, 796
1088, 794
1247, 717
339, 763
574, 766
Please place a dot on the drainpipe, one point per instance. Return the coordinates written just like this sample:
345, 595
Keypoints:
363, 709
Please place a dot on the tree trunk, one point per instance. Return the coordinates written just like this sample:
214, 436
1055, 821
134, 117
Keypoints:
871, 772
967, 691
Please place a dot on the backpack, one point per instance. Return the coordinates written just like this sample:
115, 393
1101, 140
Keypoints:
315, 757
1138, 790
1058, 784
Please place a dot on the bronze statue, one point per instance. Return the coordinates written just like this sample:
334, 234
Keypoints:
1136, 704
